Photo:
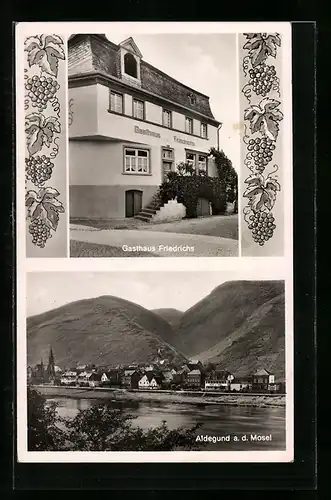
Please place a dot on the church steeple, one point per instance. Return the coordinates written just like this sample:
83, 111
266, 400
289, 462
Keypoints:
51, 364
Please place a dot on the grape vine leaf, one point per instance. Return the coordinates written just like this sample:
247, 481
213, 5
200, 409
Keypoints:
262, 194
44, 205
45, 51
264, 117
40, 131
262, 46
255, 179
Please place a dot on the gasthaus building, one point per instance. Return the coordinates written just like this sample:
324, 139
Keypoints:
131, 124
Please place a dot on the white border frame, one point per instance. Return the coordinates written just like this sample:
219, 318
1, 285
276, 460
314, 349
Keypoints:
243, 267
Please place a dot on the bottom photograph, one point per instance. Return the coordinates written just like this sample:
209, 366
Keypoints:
154, 361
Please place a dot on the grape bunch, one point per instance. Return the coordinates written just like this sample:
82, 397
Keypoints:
40, 232
38, 169
262, 226
261, 151
261, 78
41, 90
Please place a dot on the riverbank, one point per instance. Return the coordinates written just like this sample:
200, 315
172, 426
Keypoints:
254, 400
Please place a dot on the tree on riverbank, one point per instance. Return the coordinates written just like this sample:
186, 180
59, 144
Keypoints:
43, 430
99, 428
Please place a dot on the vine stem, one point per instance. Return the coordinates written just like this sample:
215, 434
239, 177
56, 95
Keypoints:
55, 105
246, 137
276, 86
248, 92
246, 211
55, 149
245, 64
274, 171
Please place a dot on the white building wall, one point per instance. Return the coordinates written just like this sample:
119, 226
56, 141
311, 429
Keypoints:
128, 104
153, 113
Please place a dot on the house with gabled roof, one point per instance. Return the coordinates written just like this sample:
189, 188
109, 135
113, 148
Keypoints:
150, 381
130, 379
261, 380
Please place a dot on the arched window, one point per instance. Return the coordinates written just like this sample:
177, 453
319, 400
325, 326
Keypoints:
130, 65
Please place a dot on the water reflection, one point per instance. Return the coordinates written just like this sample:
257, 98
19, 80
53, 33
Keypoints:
217, 420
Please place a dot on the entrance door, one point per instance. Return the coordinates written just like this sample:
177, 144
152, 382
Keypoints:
167, 167
133, 202
203, 207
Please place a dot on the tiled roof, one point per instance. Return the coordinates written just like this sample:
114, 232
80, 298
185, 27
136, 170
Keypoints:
195, 372
90, 53
262, 372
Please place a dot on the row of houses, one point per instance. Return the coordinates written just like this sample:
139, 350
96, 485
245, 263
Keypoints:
189, 375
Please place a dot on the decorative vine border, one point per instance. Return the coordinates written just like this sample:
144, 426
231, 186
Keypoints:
263, 116
42, 129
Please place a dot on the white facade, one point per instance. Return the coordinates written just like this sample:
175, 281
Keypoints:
125, 138
144, 383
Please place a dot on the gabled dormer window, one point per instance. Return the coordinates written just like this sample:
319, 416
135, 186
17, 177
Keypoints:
192, 99
130, 57
130, 65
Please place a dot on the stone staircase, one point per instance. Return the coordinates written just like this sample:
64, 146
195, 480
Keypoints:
147, 213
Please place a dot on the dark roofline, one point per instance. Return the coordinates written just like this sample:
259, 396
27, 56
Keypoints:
117, 47
174, 80
110, 78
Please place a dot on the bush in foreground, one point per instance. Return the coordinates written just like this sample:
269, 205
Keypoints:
99, 428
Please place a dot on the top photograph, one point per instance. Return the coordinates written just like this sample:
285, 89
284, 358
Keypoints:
153, 145
156, 142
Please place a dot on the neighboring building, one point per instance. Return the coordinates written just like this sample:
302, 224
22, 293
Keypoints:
39, 373
194, 378
149, 368
111, 378
280, 385
83, 378
241, 384
130, 379
69, 377
81, 367
168, 376
181, 376
262, 380
213, 384
218, 379
131, 125
150, 381
94, 379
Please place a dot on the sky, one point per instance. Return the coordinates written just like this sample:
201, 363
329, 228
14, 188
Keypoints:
204, 62
152, 290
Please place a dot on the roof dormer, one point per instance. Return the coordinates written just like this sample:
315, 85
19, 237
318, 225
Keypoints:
130, 57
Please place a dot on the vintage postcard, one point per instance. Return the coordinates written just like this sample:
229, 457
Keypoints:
142, 140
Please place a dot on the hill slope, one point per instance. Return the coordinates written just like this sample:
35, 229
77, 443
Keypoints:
258, 343
172, 316
102, 330
219, 314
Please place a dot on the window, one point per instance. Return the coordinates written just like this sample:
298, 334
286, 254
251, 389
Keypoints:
167, 154
189, 125
203, 130
190, 159
116, 102
130, 65
138, 109
202, 163
167, 162
136, 161
192, 99
166, 118
197, 161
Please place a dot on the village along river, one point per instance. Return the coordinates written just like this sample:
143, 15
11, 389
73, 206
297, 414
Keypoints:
219, 421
